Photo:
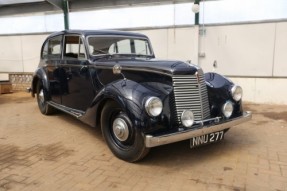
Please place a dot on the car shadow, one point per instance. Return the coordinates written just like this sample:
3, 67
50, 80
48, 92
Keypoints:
95, 131
179, 153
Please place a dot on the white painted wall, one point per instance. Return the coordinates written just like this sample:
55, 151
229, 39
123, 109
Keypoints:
31, 51
174, 43
11, 54
250, 50
240, 50
263, 90
280, 53
20, 53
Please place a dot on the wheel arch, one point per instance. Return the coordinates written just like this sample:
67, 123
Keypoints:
93, 114
39, 75
100, 109
128, 97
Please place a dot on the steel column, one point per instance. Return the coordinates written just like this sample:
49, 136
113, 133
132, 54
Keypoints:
196, 18
66, 14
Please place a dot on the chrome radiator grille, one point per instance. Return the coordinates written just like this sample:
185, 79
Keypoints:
190, 92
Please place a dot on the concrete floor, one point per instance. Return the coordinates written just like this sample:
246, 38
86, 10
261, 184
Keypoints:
58, 152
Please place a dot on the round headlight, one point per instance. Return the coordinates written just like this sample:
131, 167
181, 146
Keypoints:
227, 109
187, 118
153, 106
236, 92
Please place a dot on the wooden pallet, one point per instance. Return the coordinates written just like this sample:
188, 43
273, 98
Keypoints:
5, 87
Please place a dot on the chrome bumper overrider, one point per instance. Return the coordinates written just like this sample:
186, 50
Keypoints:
153, 141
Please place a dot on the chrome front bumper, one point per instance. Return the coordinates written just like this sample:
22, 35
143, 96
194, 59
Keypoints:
153, 141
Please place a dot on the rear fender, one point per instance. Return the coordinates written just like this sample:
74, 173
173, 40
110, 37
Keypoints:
40, 75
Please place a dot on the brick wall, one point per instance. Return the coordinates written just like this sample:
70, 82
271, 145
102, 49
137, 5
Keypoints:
20, 81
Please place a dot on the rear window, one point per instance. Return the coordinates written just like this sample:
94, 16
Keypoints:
52, 48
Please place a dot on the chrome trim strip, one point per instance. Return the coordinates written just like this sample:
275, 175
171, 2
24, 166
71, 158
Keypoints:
215, 119
127, 68
200, 93
142, 70
73, 112
153, 141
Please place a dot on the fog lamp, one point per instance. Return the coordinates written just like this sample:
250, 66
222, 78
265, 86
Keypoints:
227, 109
187, 118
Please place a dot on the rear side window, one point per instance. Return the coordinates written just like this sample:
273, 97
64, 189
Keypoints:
52, 48
74, 48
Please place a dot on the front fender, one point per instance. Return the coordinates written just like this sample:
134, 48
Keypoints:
219, 86
131, 96
219, 91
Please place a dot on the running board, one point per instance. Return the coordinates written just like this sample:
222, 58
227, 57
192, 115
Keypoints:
73, 112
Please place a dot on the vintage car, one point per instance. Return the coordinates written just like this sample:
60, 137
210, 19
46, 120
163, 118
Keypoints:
111, 79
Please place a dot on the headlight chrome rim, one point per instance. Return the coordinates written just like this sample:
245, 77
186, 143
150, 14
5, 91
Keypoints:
225, 106
153, 112
236, 92
184, 115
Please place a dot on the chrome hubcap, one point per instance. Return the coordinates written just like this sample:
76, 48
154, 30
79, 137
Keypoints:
41, 96
120, 129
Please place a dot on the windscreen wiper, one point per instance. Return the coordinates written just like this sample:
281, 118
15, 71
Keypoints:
109, 56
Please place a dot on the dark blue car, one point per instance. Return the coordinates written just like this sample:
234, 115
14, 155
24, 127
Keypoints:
111, 79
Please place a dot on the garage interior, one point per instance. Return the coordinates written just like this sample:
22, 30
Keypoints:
243, 40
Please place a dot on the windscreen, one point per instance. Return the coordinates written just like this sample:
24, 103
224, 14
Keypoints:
118, 45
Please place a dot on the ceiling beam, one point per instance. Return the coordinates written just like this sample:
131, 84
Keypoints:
78, 5
26, 8
56, 3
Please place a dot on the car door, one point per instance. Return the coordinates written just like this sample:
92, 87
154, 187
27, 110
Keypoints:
51, 58
78, 90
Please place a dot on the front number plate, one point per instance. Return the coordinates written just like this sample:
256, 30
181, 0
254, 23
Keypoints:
205, 139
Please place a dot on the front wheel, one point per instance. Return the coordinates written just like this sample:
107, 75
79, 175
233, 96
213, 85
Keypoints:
125, 141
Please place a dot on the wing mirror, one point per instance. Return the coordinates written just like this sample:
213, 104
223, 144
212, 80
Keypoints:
117, 69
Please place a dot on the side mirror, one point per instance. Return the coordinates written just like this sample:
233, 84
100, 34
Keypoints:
117, 69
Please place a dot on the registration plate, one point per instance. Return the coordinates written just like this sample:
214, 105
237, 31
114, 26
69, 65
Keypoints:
205, 139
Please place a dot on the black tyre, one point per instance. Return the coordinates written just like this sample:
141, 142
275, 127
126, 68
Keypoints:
44, 107
125, 141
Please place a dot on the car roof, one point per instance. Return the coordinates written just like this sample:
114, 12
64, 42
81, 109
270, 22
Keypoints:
99, 32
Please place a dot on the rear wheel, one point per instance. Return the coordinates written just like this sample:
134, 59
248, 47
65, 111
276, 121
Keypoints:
125, 141
44, 107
